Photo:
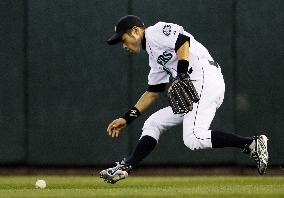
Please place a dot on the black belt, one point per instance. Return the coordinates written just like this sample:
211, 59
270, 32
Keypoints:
213, 63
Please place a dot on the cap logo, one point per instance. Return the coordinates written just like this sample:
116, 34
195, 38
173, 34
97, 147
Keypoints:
115, 28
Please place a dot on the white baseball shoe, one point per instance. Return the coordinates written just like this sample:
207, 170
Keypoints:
258, 151
113, 175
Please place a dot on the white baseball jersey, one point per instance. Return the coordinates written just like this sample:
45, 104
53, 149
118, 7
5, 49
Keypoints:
207, 79
160, 45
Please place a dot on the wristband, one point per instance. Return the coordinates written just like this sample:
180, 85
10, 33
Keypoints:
131, 115
182, 66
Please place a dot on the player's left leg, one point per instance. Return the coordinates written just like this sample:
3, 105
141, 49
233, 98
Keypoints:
196, 133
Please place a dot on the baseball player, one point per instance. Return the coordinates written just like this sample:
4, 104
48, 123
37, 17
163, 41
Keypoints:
196, 91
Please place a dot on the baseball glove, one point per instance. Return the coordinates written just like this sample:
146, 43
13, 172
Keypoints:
182, 94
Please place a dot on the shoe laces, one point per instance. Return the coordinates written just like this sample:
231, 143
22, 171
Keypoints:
121, 166
261, 150
255, 156
259, 154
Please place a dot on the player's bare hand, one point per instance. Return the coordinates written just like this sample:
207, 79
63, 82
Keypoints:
116, 126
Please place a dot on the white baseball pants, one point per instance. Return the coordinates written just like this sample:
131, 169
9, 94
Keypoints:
209, 83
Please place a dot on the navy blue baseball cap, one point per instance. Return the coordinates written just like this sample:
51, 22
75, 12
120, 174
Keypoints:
123, 25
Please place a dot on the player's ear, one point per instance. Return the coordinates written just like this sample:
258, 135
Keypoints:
135, 30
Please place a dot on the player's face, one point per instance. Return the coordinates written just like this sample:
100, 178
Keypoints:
131, 41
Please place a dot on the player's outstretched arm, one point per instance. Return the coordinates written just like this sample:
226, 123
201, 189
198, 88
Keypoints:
145, 101
183, 52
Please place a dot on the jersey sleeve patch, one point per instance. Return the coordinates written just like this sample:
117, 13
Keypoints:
164, 35
167, 30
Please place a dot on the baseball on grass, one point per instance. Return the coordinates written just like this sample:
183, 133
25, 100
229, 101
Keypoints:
40, 184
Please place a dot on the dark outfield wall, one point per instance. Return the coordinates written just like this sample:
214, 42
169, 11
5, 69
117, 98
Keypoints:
12, 60
61, 84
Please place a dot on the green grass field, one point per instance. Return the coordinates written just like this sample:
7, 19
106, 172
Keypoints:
77, 186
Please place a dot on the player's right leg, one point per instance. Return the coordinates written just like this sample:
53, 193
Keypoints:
116, 173
153, 128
